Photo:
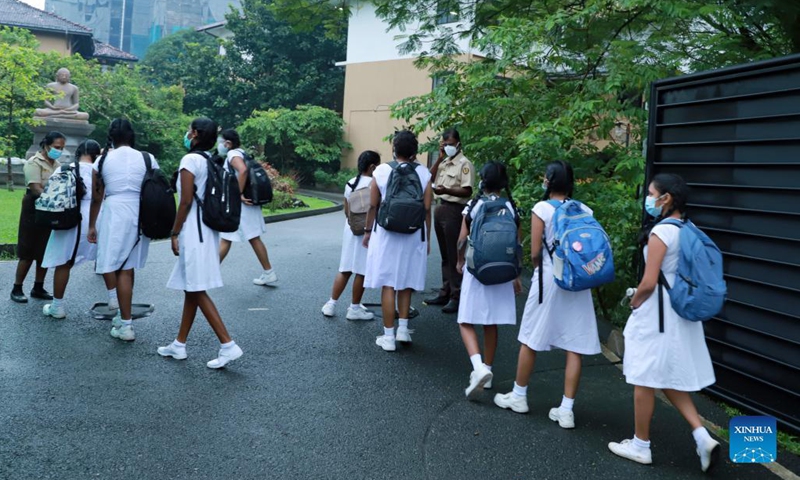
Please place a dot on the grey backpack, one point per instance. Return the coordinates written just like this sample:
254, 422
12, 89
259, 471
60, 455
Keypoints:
403, 207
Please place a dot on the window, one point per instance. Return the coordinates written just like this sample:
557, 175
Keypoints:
446, 11
439, 78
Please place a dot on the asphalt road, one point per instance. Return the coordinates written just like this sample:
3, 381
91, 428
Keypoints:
311, 397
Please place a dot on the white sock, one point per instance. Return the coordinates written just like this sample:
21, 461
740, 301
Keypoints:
177, 344
57, 302
520, 391
127, 323
268, 271
476, 361
355, 306
641, 444
567, 403
389, 332
701, 436
112, 294
230, 344
332, 301
488, 366
404, 323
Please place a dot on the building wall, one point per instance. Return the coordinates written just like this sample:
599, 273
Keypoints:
53, 42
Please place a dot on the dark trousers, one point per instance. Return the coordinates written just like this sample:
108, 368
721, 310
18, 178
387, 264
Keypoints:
447, 220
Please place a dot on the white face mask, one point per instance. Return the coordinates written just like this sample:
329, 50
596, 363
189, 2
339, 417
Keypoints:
450, 150
221, 148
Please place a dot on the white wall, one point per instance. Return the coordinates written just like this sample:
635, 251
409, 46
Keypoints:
368, 40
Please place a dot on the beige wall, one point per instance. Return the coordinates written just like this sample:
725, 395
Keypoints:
53, 42
369, 91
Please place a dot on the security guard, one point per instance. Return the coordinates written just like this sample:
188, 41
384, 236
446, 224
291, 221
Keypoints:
453, 177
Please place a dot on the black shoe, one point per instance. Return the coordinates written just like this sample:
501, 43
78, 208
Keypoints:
451, 307
19, 297
437, 300
41, 294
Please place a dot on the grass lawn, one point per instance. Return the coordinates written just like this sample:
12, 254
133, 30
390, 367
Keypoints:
11, 202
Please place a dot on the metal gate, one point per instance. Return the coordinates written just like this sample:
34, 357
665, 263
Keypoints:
734, 136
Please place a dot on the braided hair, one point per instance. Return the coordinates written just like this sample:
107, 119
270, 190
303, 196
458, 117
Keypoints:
88, 147
494, 177
120, 134
367, 159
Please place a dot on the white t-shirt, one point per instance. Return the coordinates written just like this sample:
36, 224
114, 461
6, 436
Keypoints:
363, 182
198, 166
123, 171
236, 152
545, 211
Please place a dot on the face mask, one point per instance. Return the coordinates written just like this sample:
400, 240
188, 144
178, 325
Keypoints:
54, 154
221, 148
450, 150
544, 186
187, 142
650, 206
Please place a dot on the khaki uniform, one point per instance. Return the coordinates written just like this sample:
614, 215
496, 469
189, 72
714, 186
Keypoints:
453, 172
32, 239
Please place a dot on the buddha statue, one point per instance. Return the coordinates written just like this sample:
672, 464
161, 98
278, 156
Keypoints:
65, 105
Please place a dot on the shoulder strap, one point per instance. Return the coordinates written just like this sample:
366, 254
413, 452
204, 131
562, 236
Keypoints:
147, 162
672, 221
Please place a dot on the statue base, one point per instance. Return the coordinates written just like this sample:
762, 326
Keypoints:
76, 132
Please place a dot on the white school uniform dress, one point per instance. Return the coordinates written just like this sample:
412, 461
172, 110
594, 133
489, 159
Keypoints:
397, 260
197, 268
486, 304
251, 221
62, 242
354, 255
677, 359
564, 319
118, 226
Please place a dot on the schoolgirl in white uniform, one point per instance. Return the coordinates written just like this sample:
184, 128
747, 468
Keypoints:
397, 262
251, 222
354, 254
61, 245
197, 268
479, 304
116, 186
563, 319
675, 360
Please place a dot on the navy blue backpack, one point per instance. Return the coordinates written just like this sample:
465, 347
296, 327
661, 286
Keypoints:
494, 254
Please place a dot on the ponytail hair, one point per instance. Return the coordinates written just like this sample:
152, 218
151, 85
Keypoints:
232, 136
50, 138
494, 178
367, 159
560, 179
88, 147
206, 134
120, 134
676, 186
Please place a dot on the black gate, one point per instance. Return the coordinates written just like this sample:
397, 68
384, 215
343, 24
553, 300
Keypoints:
734, 135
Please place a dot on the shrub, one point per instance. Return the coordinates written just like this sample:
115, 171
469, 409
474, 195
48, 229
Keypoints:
334, 180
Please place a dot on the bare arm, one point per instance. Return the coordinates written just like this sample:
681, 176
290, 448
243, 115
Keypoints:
184, 206
98, 193
462, 245
461, 192
656, 250
537, 231
374, 201
36, 189
347, 209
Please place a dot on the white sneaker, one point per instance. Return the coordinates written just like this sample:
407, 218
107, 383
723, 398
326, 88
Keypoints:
511, 401
113, 304
266, 278
565, 418
116, 322
125, 332
226, 355
477, 380
386, 343
57, 313
404, 334
329, 309
626, 449
359, 312
488, 384
709, 455
172, 351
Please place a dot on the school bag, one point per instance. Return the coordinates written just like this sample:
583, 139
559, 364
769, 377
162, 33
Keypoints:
698, 291
156, 202
357, 207
258, 187
403, 207
222, 204
59, 205
581, 250
494, 254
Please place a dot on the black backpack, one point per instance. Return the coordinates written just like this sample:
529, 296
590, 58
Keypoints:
222, 204
403, 208
156, 202
258, 188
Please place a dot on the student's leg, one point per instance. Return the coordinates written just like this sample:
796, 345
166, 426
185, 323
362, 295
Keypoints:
358, 289
388, 300
110, 279
683, 402
572, 375
60, 280
644, 403
23, 267
470, 338
224, 248
525, 364
339, 284
125, 292
41, 273
404, 303
489, 344
188, 316
261, 252
212, 315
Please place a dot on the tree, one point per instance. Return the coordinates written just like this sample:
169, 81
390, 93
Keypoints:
19, 62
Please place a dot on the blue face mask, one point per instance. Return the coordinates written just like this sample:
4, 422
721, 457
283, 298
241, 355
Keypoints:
187, 142
54, 154
650, 206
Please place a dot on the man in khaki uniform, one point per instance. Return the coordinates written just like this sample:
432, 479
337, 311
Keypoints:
453, 177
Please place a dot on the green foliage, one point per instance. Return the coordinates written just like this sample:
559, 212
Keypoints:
303, 140
336, 180
554, 79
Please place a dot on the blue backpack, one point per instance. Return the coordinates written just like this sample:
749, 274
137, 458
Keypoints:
494, 254
699, 290
581, 251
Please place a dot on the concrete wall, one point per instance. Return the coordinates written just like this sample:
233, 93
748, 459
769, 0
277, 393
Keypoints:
53, 42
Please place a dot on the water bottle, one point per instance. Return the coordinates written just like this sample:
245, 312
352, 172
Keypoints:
629, 293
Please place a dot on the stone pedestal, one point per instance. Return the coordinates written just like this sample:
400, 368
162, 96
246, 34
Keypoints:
75, 131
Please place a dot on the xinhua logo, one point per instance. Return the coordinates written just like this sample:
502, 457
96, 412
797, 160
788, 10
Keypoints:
753, 440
